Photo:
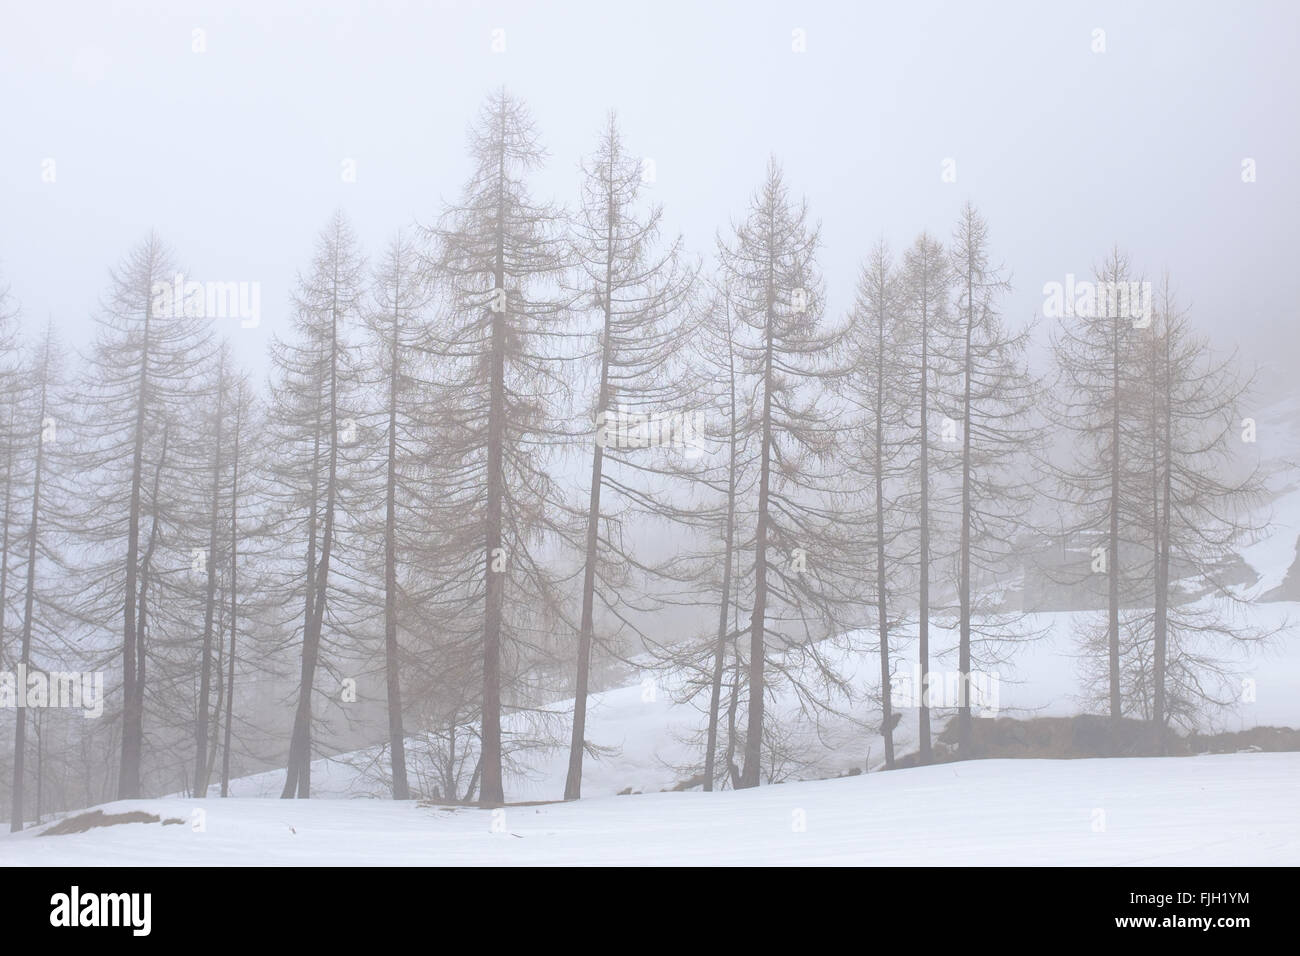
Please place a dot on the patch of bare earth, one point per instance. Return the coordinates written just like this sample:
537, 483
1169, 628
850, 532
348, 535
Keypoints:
98, 818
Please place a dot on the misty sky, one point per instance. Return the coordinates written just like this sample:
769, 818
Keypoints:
234, 154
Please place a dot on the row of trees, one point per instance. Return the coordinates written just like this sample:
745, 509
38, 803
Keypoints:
415, 507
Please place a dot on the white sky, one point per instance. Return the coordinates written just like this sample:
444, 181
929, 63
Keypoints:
234, 154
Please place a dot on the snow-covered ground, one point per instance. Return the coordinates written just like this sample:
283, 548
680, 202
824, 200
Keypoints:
1229, 809
1234, 809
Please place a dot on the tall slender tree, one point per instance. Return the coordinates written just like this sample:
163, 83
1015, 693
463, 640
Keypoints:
639, 293
787, 353
993, 407
1094, 348
314, 423
216, 439
880, 388
724, 347
927, 283
39, 432
240, 525
497, 252
137, 384
398, 329
1206, 501
10, 390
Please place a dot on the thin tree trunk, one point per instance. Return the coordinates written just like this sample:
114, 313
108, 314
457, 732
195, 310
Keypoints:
733, 701
491, 790
720, 649
219, 705
1161, 716
128, 782
210, 602
234, 603
882, 614
8, 520
396, 736
300, 743
923, 629
40, 765
757, 637
1112, 554
25, 649
142, 591
577, 745
963, 649
309, 604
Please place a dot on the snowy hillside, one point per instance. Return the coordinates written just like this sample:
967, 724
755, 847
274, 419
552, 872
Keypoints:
1237, 809
652, 737
652, 741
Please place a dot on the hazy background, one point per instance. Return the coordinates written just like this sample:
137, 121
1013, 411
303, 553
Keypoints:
234, 154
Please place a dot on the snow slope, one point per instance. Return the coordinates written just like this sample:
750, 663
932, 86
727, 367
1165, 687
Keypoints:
1235, 809
654, 740
1230, 809
651, 735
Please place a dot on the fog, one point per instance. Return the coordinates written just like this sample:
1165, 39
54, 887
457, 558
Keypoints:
235, 154
487, 405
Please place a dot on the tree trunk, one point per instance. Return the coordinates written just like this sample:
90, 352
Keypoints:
749, 776
25, 649
234, 606
491, 789
577, 745
300, 743
720, 649
923, 626
209, 604
963, 648
1160, 715
882, 613
128, 781
1112, 552
396, 737
309, 607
